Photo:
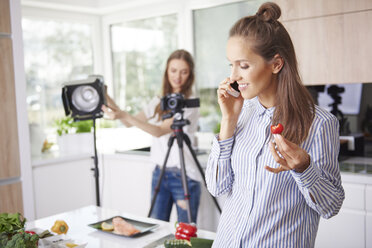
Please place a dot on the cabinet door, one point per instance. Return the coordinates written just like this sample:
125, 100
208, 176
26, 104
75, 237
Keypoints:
333, 49
369, 229
9, 150
11, 198
5, 17
11, 187
369, 216
61, 187
305, 9
345, 230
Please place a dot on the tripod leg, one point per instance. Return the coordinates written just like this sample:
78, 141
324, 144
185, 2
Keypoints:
157, 188
183, 175
188, 143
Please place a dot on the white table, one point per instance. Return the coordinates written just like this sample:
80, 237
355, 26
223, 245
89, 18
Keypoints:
79, 219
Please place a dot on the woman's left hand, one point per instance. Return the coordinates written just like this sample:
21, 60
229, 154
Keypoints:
293, 157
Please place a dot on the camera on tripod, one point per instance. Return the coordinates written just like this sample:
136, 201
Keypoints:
175, 102
334, 92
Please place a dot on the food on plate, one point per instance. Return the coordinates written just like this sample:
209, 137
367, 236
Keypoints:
60, 227
122, 227
71, 245
177, 243
277, 129
107, 226
185, 231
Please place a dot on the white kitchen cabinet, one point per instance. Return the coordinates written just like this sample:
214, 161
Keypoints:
352, 226
63, 184
345, 230
369, 216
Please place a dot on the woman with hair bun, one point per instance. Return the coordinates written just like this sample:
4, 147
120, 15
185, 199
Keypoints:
277, 185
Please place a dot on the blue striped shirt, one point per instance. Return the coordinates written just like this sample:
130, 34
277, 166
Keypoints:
263, 209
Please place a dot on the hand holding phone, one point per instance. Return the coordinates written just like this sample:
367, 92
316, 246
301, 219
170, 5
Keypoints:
236, 91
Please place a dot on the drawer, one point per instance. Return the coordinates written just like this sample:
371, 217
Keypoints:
368, 198
355, 196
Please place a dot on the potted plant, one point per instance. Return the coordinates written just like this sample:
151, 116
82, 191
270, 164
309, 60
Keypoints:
74, 137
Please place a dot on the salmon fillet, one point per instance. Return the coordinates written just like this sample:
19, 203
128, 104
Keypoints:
122, 227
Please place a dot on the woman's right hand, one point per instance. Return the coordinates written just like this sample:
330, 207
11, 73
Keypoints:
230, 106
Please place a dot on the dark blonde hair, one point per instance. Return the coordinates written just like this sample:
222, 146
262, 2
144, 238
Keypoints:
186, 89
294, 106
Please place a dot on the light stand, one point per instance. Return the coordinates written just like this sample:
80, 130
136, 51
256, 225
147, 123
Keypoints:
95, 169
82, 100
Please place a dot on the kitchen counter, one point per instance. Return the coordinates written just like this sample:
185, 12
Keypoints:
55, 157
79, 219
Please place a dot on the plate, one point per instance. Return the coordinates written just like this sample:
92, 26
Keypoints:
60, 241
143, 227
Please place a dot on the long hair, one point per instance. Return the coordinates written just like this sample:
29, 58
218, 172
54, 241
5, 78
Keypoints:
294, 106
186, 89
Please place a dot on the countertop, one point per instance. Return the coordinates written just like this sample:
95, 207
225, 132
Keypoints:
353, 169
79, 219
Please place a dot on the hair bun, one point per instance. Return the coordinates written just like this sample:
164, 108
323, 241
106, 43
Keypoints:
269, 12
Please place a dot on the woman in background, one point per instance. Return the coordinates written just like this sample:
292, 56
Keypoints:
277, 185
178, 78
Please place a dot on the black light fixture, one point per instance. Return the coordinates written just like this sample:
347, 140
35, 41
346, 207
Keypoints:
82, 100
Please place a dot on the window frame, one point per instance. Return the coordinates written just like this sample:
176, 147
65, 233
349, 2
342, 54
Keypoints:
65, 16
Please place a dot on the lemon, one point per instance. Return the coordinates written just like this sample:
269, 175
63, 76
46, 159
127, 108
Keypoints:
107, 227
71, 245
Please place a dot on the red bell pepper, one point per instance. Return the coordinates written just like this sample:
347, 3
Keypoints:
185, 231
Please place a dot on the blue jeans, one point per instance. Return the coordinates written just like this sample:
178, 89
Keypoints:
171, 191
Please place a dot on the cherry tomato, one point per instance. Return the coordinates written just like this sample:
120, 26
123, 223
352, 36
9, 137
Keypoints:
278, 129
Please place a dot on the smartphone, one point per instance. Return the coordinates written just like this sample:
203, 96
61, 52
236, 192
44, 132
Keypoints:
235, 86
236, 91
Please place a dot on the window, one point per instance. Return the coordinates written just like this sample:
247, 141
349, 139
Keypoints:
55, 52
211, 30
139, 51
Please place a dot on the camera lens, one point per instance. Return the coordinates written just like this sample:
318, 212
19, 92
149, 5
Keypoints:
172, 103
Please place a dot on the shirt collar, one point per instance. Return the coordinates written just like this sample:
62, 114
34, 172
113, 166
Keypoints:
261, 110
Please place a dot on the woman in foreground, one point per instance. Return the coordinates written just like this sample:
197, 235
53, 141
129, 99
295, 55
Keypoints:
277, 185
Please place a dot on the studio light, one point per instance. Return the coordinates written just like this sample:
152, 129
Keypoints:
82, 99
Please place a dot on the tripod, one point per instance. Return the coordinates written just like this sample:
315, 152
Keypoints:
177, 127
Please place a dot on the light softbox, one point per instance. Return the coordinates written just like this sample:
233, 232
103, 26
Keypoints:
82, 99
